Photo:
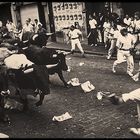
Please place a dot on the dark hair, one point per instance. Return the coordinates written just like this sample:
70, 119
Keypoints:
122, 31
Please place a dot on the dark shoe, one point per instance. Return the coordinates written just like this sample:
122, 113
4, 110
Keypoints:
72, 52
83, 55
114, 99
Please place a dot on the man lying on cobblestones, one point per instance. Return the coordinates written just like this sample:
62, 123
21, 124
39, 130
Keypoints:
134, 96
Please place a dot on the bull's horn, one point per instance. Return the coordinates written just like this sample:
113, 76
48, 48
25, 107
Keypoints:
51, 66
8, 91
67, 53
35, 36
25, 48
49, 34
25, 41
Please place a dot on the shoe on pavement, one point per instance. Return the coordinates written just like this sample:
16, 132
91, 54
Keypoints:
135, 131
130, 74
108, 57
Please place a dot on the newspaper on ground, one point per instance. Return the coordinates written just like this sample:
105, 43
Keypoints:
81, 63
74, 82
87, 87
63, 117
2, 135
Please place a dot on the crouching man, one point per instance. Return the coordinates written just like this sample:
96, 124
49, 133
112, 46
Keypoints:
134, 96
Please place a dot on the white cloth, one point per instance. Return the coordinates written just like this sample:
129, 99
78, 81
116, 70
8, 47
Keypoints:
15, 61
4, 52
127, 21
27, 28
137, 24
75, 33
77, 43
92, 23
10, 27
0, 23
107, 26
127, 41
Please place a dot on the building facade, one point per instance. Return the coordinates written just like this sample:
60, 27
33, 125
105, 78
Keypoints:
58, 16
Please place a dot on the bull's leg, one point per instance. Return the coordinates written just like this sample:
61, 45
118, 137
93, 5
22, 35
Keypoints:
62, 78
24, 100
42, 95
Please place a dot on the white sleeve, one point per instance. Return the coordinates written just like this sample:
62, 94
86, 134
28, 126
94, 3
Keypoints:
79, 32
118, 43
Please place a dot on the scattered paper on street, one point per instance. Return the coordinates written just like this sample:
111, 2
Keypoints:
74, 82
63, 117
2, 135
81, 63
87, 87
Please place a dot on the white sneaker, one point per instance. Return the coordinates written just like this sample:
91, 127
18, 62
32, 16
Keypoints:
113, 70
108, 57
130, 74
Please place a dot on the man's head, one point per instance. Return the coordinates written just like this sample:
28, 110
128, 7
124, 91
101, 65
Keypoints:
39, 25
123, 32
72, 28
36, 21
127, 16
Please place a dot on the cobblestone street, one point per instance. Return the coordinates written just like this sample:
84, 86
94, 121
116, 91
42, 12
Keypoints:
91, 118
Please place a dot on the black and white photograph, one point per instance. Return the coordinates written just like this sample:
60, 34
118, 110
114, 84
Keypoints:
69, 69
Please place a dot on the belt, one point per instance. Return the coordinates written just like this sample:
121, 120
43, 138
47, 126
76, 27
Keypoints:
125, 49
74, 38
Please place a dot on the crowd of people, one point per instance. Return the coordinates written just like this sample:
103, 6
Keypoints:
14, 31
106, 29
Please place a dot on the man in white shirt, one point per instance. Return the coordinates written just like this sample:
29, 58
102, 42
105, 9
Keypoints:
114, 34
124, 43
93, 31
11, 28
27, 27
127, 20
137, 26
74, 35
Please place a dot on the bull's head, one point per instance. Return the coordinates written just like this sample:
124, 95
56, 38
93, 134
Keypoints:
62, 60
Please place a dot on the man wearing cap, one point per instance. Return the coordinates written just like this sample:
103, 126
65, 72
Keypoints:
74, 35
124, 43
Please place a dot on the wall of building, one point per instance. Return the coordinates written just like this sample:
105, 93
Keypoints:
66, 14
29, 11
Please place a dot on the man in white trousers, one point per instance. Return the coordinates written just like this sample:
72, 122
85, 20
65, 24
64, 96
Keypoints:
125, 42
74, 35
